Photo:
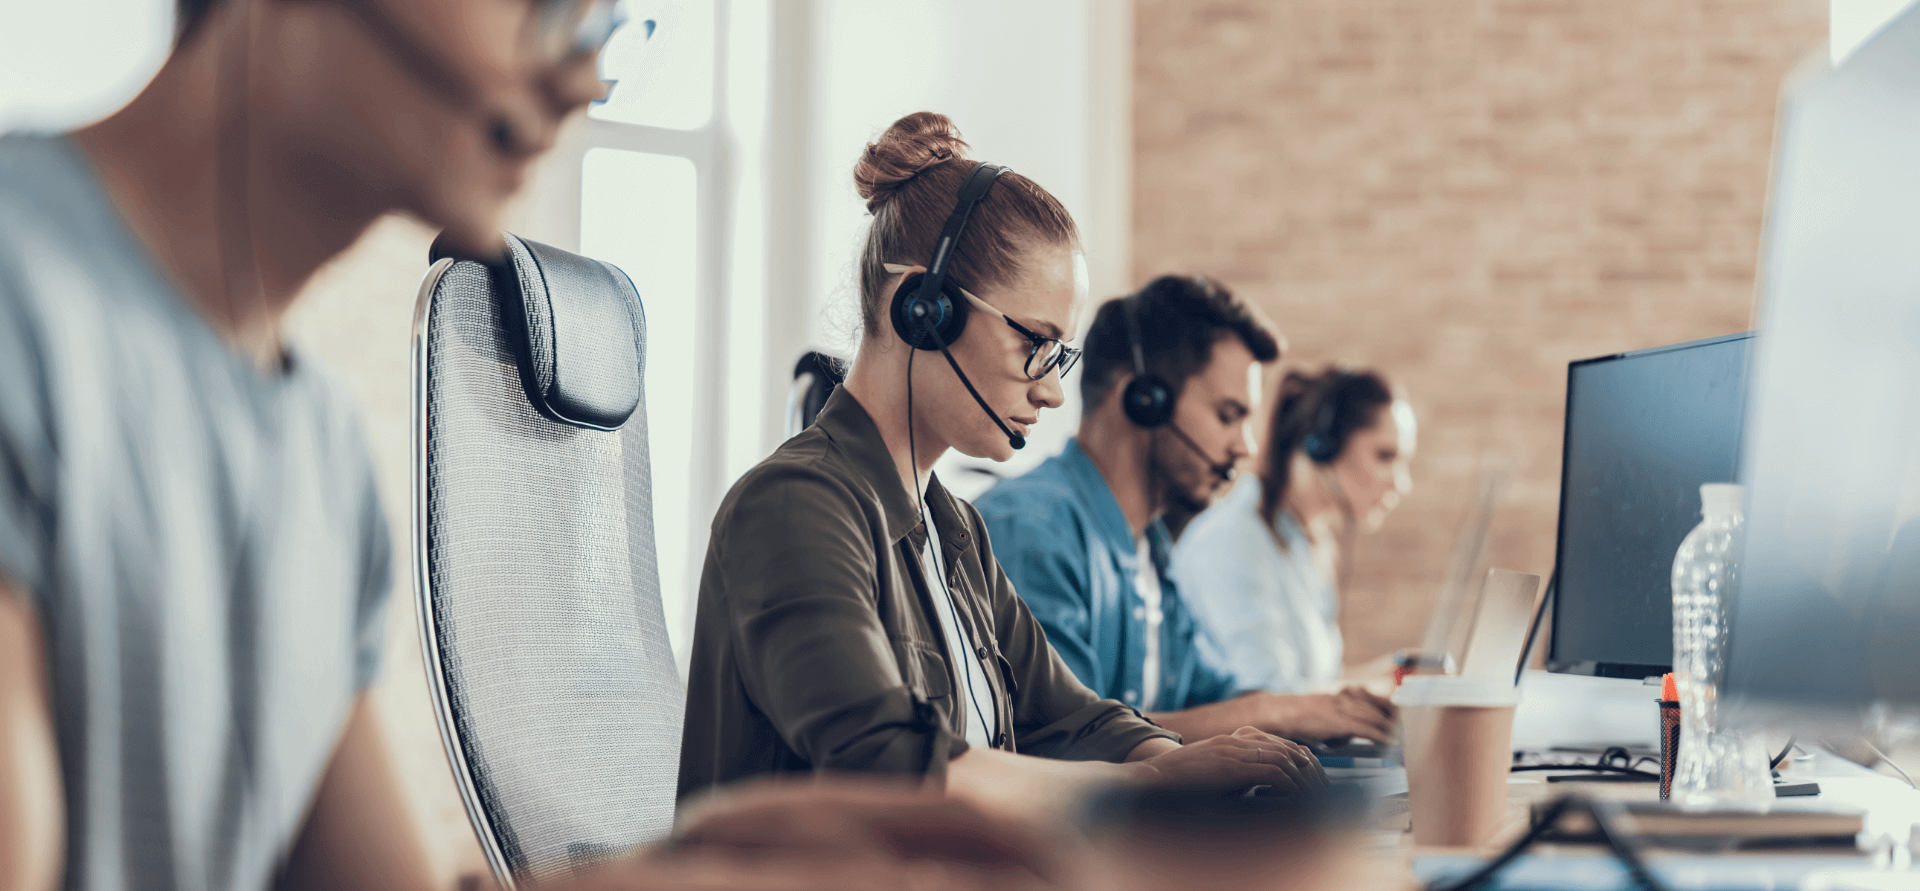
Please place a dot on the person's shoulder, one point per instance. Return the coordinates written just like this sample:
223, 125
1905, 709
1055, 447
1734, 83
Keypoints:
1042, 493
805, 479
1234, 516
62, 245
38, 177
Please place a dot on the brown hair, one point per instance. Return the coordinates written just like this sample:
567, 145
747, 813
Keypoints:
1336, 403
911, 179
1179, 318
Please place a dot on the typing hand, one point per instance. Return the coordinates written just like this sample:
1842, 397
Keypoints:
1246, 758
1350, 712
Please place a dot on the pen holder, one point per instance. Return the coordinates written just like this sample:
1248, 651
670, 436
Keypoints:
1669, 746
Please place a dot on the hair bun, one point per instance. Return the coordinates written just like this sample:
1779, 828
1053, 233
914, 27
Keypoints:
913, 144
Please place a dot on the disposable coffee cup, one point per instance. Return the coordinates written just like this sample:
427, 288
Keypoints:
1459, 752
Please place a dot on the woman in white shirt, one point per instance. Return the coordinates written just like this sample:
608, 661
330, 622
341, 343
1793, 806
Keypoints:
1260, 569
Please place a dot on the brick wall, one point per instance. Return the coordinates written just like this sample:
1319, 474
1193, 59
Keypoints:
1465, 195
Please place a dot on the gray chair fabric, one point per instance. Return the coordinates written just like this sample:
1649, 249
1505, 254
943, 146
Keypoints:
539, 594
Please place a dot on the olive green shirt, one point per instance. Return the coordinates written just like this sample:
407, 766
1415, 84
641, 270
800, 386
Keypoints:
816, 647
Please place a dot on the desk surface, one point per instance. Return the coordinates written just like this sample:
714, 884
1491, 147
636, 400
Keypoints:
1892, 809
1557, 709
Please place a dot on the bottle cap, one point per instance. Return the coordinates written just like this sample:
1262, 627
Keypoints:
1722, 499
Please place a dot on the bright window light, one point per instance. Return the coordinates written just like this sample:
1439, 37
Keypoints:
665, 80
638, 211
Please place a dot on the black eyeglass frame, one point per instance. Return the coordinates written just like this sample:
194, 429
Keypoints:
1064, 361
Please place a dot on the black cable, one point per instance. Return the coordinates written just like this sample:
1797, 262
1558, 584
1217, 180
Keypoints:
1601, 811
1596, 768
913, 464
1782, 756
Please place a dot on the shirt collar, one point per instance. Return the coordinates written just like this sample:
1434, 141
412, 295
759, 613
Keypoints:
846, 422
1108, 519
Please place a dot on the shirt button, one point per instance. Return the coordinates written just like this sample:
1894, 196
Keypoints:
962, 536
1140, 612
1000, 740
1130, 696
981, 652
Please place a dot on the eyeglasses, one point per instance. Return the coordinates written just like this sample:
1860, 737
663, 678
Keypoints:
1048, 352
568, 29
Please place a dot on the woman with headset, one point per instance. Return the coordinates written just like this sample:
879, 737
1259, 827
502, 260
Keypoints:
1262, 568
852, 617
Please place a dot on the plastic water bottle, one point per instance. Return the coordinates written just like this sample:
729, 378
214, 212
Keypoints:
1717, 765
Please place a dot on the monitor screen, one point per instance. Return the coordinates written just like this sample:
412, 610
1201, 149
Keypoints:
1644, 431
1826, 619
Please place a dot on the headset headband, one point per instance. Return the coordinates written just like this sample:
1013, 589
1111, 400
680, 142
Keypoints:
972, 192
1133, 339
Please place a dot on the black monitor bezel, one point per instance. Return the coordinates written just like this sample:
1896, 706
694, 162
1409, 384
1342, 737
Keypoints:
1588, 667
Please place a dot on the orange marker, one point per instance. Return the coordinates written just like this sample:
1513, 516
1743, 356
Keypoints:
1669, 691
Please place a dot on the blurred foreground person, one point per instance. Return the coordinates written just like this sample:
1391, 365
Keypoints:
852, 614
1260, 569
1145, 839
193, 566
1170, 381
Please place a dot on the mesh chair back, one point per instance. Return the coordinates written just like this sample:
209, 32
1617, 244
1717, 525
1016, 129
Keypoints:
539, 595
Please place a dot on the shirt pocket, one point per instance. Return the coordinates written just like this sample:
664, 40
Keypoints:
923, 667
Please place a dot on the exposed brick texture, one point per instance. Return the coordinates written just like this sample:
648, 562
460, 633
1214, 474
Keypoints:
1466, 195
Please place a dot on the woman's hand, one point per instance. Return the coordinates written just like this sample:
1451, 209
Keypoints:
1246, 758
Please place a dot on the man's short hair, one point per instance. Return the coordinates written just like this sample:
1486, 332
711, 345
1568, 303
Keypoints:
1179, 318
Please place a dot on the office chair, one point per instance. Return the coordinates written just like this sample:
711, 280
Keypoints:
814, 377
539, 597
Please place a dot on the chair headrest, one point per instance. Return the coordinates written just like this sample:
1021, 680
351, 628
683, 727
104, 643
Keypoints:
576, 326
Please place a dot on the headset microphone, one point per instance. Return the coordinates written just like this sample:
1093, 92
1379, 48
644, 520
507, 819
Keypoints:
927, 311
1223, 471
1013, 439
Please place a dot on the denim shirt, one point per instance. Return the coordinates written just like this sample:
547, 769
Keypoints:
1067, 548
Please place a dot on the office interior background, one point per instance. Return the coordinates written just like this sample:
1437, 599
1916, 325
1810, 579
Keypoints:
1465, 195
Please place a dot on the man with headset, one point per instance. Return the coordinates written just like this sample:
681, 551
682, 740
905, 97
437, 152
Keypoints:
194, 574
1171, 377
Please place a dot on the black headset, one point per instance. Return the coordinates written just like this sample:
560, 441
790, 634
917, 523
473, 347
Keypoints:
1323, 442
1148, 399
928, 313
928, 310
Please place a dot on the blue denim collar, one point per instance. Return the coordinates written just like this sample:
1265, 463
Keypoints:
1110, 522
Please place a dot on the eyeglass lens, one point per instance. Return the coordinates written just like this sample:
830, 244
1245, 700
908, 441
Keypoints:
1048, 355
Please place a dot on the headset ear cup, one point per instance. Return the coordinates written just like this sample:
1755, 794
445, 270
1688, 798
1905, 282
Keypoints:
912, 314
1322, 444
1147, 401
1320, 449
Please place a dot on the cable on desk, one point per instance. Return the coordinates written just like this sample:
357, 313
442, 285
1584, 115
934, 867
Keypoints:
1775, 763
1596, 768
1603, 813
1890, 762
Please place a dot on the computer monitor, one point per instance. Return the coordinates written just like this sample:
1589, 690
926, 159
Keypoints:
1826, 621
1644, 430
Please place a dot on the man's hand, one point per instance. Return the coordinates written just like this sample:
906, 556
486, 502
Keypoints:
1350, 712
1246, 758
